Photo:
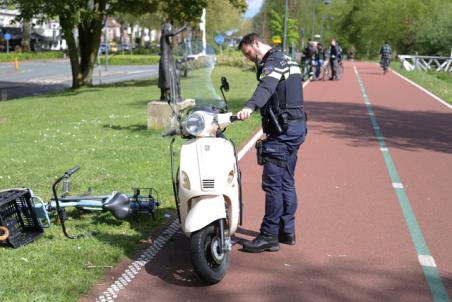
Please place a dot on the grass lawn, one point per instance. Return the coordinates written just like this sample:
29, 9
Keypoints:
127, 59
438, 83
104, 130
25, 56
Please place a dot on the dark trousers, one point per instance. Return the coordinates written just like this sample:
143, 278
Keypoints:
278, 180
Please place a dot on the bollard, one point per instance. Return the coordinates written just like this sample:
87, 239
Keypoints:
17, 64
4, 95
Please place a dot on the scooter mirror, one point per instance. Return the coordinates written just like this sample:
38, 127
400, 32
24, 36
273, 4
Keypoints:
224, 84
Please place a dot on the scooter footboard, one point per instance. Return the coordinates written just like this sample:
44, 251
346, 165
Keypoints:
203, 212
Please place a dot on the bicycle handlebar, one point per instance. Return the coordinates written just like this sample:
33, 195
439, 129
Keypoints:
72, 171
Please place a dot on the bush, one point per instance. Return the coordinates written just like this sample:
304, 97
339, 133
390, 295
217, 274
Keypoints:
235, 61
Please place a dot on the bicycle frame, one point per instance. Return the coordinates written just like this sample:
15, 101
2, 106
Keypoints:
119, 204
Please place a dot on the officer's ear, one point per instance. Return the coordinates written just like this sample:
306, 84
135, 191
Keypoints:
256, 43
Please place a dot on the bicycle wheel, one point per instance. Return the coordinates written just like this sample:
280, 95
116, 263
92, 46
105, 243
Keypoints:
339, 71
322, 73
330, 71
320, 77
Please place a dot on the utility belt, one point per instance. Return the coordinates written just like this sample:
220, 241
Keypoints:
263, 158
278, 124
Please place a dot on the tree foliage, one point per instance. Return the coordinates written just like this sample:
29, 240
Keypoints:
88, 17
277, 23
410, 25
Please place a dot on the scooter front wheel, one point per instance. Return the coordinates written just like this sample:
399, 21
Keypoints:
209, 261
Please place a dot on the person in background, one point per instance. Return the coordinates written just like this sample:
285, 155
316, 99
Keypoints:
319, 59
335, 57
385, 54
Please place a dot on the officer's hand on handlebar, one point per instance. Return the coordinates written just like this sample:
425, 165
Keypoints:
244, 113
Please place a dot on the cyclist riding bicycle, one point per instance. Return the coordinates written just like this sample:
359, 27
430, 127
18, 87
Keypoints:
385, 53
335, 57
308, 56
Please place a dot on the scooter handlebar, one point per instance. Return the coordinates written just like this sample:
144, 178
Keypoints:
170, 132
234, 118
72, 171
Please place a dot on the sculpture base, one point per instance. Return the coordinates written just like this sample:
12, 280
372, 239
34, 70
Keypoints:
160, 113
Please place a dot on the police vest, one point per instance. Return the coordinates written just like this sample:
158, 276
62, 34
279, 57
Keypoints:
288, 96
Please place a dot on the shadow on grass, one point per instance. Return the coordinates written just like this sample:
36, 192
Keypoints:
144, 225
132, 83
132, 128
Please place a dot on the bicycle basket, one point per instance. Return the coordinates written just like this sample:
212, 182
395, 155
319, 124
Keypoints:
17, 218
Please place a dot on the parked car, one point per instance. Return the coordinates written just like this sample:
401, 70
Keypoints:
113, 47
124, 47
103, 47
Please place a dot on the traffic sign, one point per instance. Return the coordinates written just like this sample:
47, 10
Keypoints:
7, 36
219, 39
277, 39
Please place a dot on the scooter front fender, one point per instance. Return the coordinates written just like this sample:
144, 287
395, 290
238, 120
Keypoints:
204, 211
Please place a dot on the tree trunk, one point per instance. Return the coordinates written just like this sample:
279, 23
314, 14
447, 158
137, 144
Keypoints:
26, 27
82, 56
89, 41
72, 51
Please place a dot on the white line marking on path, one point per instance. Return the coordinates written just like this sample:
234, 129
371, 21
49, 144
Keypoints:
397, 185
426, 260
137, 71
423, 89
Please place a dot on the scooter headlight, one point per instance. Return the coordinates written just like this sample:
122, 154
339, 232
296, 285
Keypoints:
185, 181
194, 124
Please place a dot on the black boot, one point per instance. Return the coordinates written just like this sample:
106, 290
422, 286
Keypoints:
262, 243
286, 238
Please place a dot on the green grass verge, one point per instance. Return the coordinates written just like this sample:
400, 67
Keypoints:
26, 56
438, 83
104, 130
127, 59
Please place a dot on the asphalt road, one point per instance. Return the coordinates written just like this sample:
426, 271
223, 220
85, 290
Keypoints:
37, 77
374, 217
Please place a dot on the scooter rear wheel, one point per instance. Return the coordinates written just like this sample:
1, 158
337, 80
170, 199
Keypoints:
209, 262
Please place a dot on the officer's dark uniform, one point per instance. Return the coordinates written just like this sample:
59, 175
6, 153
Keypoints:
279, 94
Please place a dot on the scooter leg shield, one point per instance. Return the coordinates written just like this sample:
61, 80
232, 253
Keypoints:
203, 212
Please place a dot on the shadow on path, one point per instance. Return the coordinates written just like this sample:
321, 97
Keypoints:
410, 130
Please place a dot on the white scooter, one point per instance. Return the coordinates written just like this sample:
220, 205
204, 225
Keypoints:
207, 188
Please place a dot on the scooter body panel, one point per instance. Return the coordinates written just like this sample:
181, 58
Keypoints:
204, 210
208, 168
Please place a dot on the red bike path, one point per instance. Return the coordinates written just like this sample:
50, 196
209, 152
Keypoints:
354, 241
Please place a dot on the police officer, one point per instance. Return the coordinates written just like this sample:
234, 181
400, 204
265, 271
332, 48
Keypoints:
279, 96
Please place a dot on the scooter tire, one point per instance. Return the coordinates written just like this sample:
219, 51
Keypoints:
204, 263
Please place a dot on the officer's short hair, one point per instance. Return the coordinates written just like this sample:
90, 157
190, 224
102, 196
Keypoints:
249, 39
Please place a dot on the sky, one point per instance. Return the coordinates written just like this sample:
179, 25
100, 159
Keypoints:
253, 8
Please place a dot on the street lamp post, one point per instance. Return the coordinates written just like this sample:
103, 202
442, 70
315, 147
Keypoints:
106, 44
321, 29
314, 6
285, 29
